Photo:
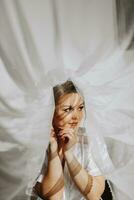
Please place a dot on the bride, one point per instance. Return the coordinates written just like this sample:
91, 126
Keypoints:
69, 171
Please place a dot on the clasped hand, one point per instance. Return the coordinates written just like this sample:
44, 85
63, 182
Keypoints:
65, 138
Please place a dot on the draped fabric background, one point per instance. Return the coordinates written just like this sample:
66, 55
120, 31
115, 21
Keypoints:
39, 41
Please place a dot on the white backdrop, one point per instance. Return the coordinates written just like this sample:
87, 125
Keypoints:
39, 39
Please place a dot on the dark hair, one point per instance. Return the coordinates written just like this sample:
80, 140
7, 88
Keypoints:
64, 88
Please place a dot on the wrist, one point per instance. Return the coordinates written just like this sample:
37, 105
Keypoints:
52, 155
52, 152
68, 155
52, 148
69, 147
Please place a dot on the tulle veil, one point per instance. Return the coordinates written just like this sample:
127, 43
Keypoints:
104, 76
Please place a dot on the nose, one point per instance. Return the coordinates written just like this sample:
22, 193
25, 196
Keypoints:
75, 115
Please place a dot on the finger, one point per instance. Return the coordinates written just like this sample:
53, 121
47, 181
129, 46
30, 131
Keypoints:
71, 131
52, 132
66, 135
53, 136
52, 129
69, 134
66, 128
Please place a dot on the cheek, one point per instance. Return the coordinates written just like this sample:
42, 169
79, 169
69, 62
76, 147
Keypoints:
65, 119
81, 115
61, 119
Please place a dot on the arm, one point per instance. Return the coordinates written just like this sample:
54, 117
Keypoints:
52, 184
91, 187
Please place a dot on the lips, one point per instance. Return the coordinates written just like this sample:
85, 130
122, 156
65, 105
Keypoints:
73, 124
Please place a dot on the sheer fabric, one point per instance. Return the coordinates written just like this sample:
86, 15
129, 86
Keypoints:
42, 44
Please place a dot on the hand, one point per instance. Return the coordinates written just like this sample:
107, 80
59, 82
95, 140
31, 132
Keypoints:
68, 137
53, 142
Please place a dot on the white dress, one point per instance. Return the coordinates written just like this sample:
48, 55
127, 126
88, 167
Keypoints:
83, 154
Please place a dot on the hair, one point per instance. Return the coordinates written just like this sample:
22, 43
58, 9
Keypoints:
65, 88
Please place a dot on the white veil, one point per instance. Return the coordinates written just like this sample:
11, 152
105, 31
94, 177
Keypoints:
39, 48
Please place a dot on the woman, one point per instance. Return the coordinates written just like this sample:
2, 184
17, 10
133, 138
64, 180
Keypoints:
69, 171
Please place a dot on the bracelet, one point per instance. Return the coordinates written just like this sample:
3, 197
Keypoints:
89, 185
56, 188
74, 167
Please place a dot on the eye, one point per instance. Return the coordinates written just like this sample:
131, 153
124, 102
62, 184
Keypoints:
81, 108
68, 109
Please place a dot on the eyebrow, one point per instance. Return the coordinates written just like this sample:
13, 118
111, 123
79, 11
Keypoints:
71, 106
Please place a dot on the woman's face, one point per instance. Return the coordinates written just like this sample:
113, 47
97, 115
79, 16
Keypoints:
69, 111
